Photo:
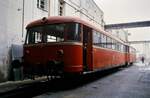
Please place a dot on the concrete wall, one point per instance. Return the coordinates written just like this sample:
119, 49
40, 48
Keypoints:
120, 33
10, 30
31, 12
54, 8
85, 9
11, 20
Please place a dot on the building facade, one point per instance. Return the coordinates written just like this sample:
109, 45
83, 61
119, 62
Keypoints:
120, 33
16, 14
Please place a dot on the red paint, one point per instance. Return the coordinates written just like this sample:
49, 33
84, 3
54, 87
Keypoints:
72, 56
103, 58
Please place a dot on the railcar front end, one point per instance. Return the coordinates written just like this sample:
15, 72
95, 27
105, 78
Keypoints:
53, 49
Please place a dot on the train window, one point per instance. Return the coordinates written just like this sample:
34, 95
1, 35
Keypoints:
124, 48
113, 44
73, 32
34, 38
31, 38
121, 47
109, 42
132, 50
117, 46
38, 37
106, 42
51, 38
127, 49
103, 40
54, 33
96, 38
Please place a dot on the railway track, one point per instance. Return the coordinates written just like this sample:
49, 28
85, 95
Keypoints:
59, 84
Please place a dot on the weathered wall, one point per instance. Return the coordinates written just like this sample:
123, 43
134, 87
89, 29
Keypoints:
11, 20
85, 9
10, 31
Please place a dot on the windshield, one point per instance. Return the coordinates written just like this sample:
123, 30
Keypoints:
53, 33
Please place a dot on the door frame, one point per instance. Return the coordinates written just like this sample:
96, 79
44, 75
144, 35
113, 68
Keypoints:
87, 48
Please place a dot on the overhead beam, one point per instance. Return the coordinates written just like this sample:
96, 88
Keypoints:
138, 42
128, 25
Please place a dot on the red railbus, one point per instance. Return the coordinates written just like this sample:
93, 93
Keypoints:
68, 45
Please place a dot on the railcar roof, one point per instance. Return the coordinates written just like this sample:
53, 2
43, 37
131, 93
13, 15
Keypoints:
68, 19
55, 19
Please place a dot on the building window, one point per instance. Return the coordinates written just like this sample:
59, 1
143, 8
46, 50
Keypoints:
61, 7
42, 4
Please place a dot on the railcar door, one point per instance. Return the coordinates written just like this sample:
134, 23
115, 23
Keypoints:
87, 48
127, 58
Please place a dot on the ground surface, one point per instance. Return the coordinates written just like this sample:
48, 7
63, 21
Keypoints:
131, 82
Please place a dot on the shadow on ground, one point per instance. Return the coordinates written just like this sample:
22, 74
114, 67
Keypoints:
61, 84
2, 79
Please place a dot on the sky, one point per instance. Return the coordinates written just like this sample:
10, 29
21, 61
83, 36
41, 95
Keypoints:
122, 11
